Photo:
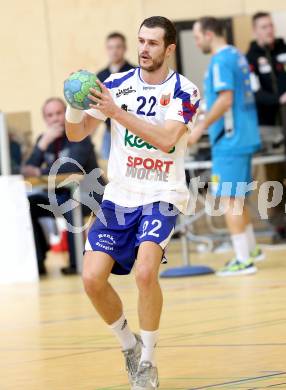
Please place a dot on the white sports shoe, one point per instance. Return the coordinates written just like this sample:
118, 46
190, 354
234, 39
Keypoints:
146, 377
132, 358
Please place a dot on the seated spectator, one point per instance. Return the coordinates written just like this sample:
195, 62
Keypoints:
50, 146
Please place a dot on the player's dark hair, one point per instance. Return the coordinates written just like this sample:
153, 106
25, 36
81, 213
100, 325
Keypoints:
209, 23
166, 24
259, 15
116, 34
53, 99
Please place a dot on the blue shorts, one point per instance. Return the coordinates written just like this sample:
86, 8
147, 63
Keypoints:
118, 231
231, 174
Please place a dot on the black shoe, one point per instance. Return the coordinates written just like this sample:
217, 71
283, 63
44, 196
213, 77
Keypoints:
281, 231
69, 271
176, 235
42, 270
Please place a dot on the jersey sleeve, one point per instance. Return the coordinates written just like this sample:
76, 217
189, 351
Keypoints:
223, 78
96, 113
185, 103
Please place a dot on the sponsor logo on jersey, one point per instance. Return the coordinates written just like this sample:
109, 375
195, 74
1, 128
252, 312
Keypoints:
148, 88
165, 99
106, 241
281, 57
148, 168
136, 142
125, 91
262, 61
263, 65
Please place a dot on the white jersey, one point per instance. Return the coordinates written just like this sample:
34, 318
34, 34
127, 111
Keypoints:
139, 173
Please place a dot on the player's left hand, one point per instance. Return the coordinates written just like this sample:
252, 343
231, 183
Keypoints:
103, 101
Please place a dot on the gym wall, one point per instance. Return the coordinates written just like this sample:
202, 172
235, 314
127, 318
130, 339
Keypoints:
42, 41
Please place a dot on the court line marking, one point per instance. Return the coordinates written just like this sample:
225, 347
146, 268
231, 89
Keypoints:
238, 381
267, 387
232, 329
108, 348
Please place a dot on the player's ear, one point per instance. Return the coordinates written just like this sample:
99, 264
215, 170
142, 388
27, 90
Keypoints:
209, 34
170, 49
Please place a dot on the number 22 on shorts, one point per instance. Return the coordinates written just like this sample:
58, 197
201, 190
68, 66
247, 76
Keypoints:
156, 225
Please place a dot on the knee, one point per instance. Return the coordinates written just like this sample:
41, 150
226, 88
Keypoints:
145, 276
93, 284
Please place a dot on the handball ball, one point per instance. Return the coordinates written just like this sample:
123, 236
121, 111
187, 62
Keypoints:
76, 89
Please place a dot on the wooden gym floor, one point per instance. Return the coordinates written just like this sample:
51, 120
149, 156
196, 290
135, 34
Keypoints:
216, 333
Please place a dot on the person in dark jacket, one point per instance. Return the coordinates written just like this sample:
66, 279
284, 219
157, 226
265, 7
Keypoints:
267, 59
50, 146
116, 49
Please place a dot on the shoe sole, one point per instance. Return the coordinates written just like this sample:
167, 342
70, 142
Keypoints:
247, 271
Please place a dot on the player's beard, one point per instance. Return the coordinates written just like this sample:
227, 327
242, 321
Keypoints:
156, 63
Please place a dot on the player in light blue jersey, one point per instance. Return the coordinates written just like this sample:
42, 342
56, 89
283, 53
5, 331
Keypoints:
234, 135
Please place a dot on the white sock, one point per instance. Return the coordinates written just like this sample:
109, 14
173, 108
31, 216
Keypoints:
240, 246
149, 340
121, 330
251, 237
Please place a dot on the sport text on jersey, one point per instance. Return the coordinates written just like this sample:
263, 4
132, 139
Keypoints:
148, 168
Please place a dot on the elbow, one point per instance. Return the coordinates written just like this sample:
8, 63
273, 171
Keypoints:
72, 137
169, 142
73, 134
69, 136
165, 149
167, 146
